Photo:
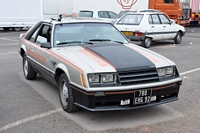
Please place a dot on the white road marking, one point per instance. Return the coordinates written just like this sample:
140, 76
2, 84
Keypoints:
14, 124
9, 39
190, 71
8, 53
6, 44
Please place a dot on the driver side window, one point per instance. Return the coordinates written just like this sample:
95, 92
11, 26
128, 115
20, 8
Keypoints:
42, 34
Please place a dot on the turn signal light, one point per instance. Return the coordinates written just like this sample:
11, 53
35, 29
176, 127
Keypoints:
193, 15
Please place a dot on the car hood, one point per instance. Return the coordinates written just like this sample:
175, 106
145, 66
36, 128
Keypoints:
110, 57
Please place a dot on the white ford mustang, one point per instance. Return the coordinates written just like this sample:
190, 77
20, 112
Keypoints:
95, 67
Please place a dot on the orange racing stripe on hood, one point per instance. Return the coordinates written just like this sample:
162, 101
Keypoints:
98, 59
147, 56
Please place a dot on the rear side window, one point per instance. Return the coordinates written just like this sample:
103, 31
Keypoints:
103, 14
85, 14
112, 15
131, 19
150, 20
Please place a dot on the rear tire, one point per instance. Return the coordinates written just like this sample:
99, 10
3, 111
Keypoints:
6, 28
66, 95
178, 38
146, 42
29, 73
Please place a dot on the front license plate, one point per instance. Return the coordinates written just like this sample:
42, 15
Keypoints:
142, 96
127, 33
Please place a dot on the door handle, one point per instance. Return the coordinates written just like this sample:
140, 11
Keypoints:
152, 26
164, 26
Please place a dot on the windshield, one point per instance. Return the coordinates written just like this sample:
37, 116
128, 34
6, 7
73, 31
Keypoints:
82, 33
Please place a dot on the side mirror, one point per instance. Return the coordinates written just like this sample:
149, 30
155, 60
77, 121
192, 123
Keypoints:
172, 21
46, 45
21, 35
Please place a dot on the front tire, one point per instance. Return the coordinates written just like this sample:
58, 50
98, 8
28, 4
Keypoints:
178, 38
29, 73
146, 42
66, 95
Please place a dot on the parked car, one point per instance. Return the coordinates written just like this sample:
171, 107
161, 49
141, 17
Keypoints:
100, 14
150, 26
95, 67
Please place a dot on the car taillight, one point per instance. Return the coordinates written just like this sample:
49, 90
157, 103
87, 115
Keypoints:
137, 33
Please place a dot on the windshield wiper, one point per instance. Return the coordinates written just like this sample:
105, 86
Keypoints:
68, 42
102, 40
71, 42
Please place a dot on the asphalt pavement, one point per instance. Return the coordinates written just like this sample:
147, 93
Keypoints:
192, 30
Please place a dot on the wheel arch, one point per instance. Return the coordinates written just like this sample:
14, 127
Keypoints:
60, 69
146, 36
22, 50
180, 32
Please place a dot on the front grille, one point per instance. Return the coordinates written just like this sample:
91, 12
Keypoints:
138, 77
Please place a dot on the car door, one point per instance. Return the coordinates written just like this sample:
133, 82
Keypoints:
41, 55
168, 27
157, 27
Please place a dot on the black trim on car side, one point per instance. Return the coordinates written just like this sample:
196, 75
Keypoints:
40, 69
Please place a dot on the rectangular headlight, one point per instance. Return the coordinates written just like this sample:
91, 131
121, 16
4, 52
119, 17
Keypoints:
93, 78
165, 71
108, 77
169, 70
161, 71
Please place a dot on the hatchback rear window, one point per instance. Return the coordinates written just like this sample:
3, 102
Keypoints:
85, 14
131, 19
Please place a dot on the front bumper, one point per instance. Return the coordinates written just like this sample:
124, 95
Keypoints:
111, 100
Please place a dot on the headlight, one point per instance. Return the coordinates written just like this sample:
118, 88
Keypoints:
102, 78
107, 78
169, 70
92, 78
165, 71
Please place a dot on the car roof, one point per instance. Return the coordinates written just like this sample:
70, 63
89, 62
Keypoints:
148, 10
144, 13
75, 20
